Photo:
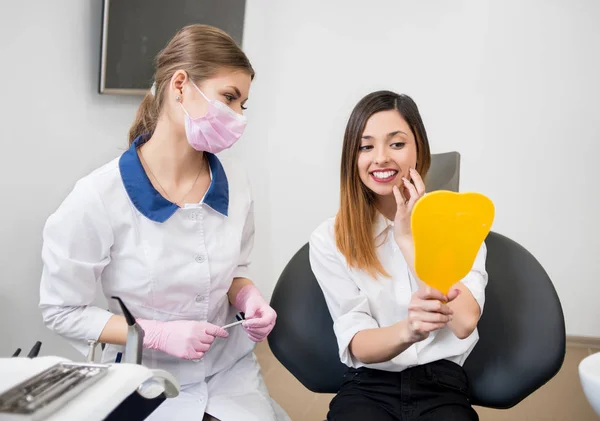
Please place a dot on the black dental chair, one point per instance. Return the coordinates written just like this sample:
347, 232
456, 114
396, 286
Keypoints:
522, 329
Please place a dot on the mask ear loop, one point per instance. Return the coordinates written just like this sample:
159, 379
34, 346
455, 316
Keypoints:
198, 89
178, 99
184, 110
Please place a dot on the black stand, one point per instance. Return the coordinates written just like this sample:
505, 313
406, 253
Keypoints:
135, 407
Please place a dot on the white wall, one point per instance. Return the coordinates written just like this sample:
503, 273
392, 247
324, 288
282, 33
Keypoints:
500, 82
512, 85
54, 128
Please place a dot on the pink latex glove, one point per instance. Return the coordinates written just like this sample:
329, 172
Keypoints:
187, 339
260, 317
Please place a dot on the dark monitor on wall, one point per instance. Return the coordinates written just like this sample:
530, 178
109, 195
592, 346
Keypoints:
134, 31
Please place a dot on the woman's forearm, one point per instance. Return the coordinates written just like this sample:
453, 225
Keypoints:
378, 345
115, 331
407, 247
466, 312
236, 286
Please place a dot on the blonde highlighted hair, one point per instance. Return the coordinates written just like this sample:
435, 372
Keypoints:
356, 218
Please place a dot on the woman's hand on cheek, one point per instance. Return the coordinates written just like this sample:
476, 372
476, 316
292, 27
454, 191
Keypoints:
405, 205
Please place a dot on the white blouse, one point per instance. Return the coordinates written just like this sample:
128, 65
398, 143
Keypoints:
357, 301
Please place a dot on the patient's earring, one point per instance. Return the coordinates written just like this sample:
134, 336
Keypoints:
178, 98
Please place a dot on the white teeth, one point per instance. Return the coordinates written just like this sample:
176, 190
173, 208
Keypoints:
384, 174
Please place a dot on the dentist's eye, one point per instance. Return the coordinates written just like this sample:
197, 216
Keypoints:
229, 97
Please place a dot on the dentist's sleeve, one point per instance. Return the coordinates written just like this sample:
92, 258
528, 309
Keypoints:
243, 268
76, 247
348, 305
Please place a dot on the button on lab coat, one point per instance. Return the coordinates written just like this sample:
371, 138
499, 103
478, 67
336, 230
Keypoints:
166, 263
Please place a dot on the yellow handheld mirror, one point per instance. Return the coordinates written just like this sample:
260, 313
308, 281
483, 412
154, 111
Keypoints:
448, 230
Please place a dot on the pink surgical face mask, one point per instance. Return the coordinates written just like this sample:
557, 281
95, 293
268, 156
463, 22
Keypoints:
215, 131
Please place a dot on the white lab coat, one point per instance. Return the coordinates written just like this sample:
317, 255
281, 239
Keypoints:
165, 263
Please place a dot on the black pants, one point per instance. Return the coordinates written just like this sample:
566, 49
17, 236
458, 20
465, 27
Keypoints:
435, 391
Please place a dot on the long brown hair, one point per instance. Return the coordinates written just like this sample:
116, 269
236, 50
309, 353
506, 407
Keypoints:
355, 219
202, 51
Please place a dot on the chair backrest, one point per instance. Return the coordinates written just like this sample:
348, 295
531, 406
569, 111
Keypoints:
522, 340
444, 172
303, 339
522, 331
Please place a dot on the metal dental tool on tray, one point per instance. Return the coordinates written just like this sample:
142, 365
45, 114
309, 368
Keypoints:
41, 395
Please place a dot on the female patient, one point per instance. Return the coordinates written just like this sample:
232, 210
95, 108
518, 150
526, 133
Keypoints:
404, 343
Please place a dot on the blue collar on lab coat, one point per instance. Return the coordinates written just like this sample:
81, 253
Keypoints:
149, 201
